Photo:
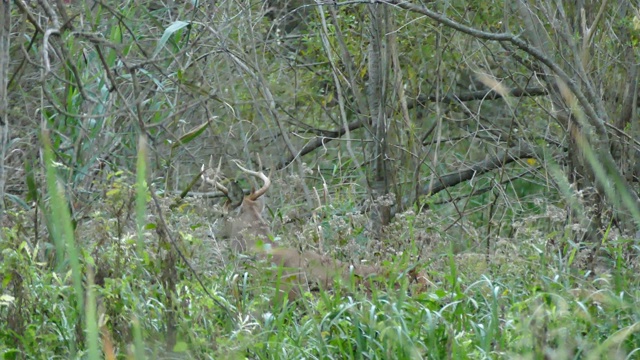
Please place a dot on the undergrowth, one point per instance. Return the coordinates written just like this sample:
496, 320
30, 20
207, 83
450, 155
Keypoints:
526, 299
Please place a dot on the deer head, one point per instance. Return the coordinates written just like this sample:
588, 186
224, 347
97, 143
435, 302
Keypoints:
244, 224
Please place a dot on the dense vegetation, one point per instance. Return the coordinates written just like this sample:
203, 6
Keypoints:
488, 147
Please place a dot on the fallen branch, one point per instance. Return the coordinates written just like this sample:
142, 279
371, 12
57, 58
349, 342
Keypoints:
479, 95
502, 158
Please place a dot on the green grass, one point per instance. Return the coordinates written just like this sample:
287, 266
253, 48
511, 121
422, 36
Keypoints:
527, 301
526, 305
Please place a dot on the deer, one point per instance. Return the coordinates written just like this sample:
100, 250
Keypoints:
250, 234
245, 226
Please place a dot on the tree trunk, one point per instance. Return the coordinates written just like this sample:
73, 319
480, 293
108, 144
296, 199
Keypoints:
5, 32
376, 94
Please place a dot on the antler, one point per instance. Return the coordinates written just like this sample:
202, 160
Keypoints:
213, 181
255, 194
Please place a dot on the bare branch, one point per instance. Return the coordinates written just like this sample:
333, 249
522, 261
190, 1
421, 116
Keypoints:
480, 95
502, 158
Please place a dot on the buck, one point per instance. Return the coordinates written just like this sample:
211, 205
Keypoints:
244, 223
250, 234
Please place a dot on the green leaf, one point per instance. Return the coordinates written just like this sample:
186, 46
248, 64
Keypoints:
32, 188
18, 201
150, 226
6, 280
141, 189
180, 346
191, 135
63, 234
177, 25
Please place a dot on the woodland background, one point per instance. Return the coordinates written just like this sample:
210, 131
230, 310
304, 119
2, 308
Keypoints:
493, 145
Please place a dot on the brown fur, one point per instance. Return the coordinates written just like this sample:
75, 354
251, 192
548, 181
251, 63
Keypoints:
247, 228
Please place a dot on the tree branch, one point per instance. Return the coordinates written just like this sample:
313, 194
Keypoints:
595, 120
479, 95
502, 158
319, 141
328, 135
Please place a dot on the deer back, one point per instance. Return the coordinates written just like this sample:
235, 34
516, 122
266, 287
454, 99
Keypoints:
310, 270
